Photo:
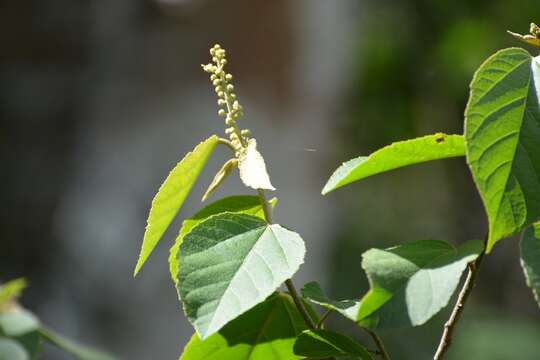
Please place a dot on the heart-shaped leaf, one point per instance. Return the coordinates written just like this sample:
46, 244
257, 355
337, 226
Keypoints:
502, 135
322, 344
268, 331
410, 283
230, 263
242, 204
530, 258
396, 155
171, 196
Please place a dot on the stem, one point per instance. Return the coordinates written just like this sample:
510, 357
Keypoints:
380, 345
290, 286
323, 318
449, 326
296, 298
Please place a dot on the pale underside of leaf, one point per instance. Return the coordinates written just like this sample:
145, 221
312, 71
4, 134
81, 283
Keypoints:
171, 196
502, 132
397, 155
412, 282
530, 258
268, 331
12, 350
252, 167
242, 204
230, 263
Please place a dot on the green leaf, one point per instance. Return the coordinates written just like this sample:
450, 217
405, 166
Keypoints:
12, 350
412, 282
79, 351
530, 258
268, 331
502, 135
312, 292
322, 344
396, 155
243, 204
171, 196
11, 290
18, 322
230, 263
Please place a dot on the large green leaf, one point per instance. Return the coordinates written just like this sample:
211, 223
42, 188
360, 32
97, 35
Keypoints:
12, 350
243, 204
268, 331
322, 344
412, 282
171, 196
312, 292
230, 263
502, 135
79, 351
397, 155
530, 258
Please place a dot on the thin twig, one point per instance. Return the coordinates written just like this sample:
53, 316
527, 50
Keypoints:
449, 326
323, 318
380, 345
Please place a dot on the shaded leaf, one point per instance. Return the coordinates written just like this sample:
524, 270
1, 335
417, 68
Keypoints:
171, 196
230, 263
312, 291
412, 282
530, 258
79, 351
396, 155
268, 331
322, 344
253, 169
12, 350
502, 134
243, 204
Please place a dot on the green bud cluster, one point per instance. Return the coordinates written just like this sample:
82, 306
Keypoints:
229, 107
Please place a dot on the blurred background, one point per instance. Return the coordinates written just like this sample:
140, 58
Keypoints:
98, 100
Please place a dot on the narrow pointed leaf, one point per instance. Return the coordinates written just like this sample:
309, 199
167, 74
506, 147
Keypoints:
412, 282
530, 258
268, 331
242, 204
397, 155
502, 133
171, 196
322, 344
231, 262
312, 292
79, 351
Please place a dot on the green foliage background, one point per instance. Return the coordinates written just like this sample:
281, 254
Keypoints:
412, 76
